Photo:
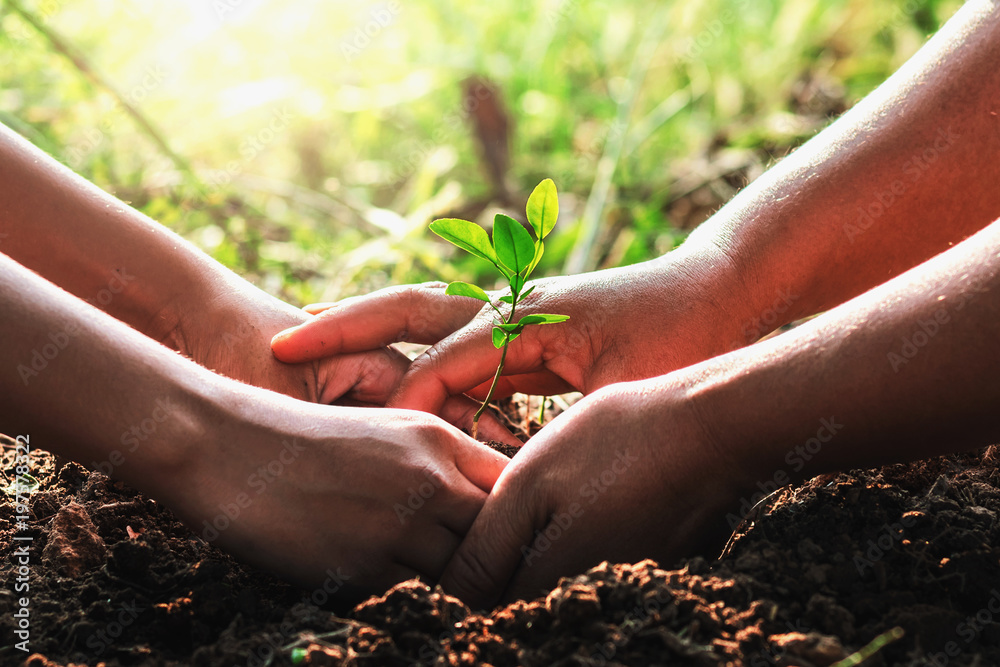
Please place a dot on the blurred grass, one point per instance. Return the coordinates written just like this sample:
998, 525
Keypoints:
324, 136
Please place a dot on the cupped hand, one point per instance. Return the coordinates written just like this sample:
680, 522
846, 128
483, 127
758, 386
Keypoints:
373, 496
625, 324
627, 473
236, 342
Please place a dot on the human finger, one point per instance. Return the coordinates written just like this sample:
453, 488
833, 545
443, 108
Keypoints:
413, 313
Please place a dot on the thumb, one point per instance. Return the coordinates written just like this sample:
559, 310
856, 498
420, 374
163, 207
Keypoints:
414, 313
478, 462
484, 563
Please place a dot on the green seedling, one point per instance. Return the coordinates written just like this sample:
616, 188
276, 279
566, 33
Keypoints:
515, 255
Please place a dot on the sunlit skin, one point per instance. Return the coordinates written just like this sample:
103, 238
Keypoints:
102, 383
885, 220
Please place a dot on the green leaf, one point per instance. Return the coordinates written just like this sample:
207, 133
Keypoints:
459, 288
525, 295
539, 251
541, 318
516, 283
507, 299
498, 338
466, 235
511, 328
543, 208
513, 243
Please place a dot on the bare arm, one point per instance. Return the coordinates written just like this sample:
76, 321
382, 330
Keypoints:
652, 468
96, 247
101, 250
908, 172
251, 468
902, 176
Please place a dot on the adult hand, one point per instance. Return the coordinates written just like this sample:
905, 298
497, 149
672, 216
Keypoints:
295, 487
373, 496
625, 324
627, 473
234, 340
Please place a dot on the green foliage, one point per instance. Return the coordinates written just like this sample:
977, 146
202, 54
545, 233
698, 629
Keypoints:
317, 182
514, 254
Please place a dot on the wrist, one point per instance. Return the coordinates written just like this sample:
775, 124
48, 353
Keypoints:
219, 432
721, 304
720, 405
227, 325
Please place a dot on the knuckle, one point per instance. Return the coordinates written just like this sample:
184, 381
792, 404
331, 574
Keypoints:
433, 474
426, 430
472, 579
427, 362
419, 304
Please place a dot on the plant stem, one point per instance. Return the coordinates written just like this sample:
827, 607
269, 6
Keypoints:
873, 647
496, 376
489, 395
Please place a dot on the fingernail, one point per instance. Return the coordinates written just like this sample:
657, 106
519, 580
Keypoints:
282, 335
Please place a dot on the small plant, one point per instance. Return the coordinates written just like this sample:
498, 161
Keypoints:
515, 255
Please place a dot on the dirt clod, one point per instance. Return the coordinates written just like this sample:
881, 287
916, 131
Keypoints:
74, 546
832, 564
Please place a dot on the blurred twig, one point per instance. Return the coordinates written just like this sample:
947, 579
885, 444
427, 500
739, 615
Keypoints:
581, 258
353, 212
71, 53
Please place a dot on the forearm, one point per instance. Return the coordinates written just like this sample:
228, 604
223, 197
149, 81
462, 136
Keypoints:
906, 173
87, 387
906, 370
98, 248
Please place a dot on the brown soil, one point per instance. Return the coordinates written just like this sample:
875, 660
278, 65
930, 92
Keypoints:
826, 567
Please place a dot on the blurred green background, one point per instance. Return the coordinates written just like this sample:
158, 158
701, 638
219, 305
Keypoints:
307, 144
